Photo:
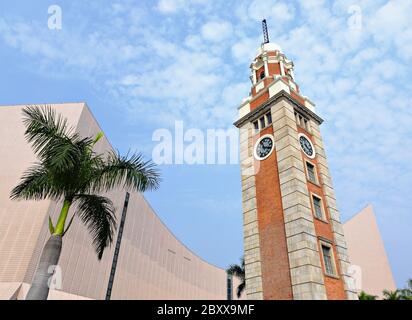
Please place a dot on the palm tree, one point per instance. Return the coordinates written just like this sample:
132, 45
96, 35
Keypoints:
238, 271
365, 296
391, 295
406, 293
68, 170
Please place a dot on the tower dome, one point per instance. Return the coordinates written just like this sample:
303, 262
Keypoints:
266, 47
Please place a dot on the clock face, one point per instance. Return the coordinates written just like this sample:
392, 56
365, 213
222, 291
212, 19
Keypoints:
306, 146
264, 147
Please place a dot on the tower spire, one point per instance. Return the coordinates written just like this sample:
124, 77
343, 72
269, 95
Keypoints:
265, 31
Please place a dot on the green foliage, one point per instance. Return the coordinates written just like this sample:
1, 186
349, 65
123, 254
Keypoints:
97, 213
51, 227
365, 296
239, 272
399, 294
391, 295
406, 293
68, 169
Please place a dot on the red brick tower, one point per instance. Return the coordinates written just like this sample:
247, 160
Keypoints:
293, 239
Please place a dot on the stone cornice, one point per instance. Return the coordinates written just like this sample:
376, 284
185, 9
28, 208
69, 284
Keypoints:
280, 95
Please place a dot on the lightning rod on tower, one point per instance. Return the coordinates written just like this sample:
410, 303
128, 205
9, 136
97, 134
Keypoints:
265, 32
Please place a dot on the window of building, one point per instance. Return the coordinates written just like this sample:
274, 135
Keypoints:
302, 121
256, 126
306, 124
117, 247
328, 259
262, 122
310, 168
317, 206
262, 75
269, 118
297, 118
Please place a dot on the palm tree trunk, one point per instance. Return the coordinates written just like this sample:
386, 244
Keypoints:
39, 289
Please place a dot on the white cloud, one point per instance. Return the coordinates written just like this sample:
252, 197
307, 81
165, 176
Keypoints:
244, 50
174, 6
391, 24
170, 6
272, 10
364, 56
282, 12
195, 42
217, 30
234, 94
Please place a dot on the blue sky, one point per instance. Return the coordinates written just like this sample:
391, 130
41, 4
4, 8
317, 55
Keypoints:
141, 65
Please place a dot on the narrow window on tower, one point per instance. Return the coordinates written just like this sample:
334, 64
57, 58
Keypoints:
262, 122
317, 207
311, 171
302, 121
256, 126
269, 118
328, 259
305, 121
262, 75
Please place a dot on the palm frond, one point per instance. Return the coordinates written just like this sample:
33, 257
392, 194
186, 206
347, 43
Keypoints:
365, 296
131, 172
35, 184
42, 125
63, 154
97, 213
236, 270
52, 140
391, 295
240, 288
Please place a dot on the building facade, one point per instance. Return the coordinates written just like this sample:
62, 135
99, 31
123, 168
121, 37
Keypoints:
293, 238
146, 261
370, 264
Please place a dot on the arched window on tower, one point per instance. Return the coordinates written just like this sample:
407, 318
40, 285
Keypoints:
262, 75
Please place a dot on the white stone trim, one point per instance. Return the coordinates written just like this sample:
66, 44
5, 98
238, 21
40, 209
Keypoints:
254, 78
266, 67
260, 85
302, 244
282, 69
244, 110
277, 86
322, 207
292, 85
330, 246
316, 182
292, 74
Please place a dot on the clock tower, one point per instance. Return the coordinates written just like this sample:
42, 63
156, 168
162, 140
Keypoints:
294, 245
